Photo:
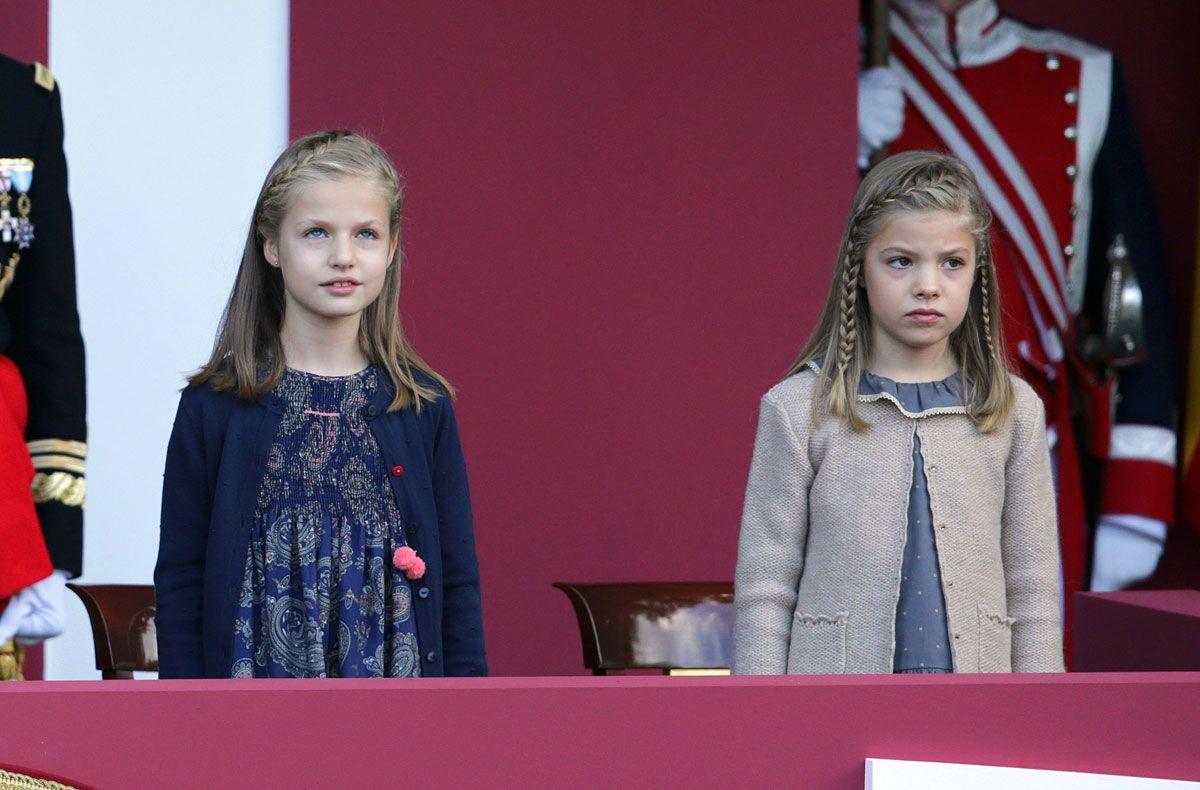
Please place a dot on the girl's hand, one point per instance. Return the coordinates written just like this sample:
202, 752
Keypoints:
36, 613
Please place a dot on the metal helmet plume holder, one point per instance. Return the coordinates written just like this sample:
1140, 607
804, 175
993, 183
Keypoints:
16, 175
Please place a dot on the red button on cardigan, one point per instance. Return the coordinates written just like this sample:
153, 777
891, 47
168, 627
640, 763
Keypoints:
397, 471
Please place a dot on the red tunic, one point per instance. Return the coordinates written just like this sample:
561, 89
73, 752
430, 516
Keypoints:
23, 556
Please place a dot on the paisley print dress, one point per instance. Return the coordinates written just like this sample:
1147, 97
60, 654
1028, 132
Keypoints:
320, 596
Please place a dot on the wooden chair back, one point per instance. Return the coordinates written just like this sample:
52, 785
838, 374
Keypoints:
676, 627
123, 631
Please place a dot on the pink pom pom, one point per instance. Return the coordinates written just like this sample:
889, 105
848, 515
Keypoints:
405, 559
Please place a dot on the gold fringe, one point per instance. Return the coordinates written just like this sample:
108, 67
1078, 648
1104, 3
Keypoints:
12, 781
66, 463
59, 486
64, 446
12, 662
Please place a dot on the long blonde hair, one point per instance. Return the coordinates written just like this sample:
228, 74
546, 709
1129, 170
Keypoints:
911, 181
247, 357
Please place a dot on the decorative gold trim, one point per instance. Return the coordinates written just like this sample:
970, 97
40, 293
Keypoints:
21, 164
10, 271
12, 781
59, 487
65, 446
12, 661
67, 463
43, 77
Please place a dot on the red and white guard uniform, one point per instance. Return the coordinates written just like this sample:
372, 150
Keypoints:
1041, 118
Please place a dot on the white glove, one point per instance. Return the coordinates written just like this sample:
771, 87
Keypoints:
880, 110
36, 613
1127, 551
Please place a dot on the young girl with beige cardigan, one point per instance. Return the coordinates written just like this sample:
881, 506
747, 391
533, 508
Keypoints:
900, 513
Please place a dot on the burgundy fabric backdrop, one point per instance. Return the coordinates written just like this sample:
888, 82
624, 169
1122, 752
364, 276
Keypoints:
620, 225
25, 34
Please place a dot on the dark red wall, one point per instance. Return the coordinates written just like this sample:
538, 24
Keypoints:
621, 219
25, 33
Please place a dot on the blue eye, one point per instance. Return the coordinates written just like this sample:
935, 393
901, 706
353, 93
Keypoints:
899, 262
370, 234
954, 263
314, 233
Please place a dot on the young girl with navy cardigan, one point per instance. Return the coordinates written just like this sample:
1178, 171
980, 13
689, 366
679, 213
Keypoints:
316, 520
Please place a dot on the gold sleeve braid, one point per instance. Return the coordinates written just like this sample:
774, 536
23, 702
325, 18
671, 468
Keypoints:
61, 486
59, 465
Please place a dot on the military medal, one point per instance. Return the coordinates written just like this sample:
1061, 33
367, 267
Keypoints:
15, 175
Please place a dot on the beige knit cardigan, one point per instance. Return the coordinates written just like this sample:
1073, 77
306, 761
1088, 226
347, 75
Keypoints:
825, 521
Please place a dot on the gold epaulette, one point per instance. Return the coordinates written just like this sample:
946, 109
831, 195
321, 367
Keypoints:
43, 77
60, 466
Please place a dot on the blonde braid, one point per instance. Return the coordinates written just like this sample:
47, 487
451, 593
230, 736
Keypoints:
848, 318
984, 303
285, 177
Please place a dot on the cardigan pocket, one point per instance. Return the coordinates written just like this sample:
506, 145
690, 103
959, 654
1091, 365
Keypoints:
818, 644
995, 641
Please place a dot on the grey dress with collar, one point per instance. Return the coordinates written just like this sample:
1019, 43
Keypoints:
922, 636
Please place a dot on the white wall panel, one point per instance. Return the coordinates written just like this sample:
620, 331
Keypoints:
173, 113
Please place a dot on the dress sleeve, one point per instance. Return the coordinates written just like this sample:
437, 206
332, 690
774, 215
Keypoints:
771, 546
1029, 546
183, 543
462, 611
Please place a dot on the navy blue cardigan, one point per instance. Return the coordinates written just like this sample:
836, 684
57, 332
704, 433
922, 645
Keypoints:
215, 464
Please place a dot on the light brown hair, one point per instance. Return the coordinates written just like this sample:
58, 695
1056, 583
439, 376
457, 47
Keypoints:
247, 357
911, 181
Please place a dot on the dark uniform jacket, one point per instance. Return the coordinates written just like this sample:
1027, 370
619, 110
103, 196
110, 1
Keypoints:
39, 321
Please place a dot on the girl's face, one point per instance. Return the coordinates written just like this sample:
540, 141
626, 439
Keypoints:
918, 272
333, 249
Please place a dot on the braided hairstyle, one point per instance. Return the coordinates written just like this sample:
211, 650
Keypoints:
841, 344
247, 357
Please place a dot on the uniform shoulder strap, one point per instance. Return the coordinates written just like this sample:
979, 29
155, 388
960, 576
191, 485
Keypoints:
43, 77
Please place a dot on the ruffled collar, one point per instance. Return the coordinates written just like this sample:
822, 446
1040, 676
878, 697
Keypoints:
915, 399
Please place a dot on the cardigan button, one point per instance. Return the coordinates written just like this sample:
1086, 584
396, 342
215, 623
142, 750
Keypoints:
372, 411
397, 471
430, 657
412, 528
423, 592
